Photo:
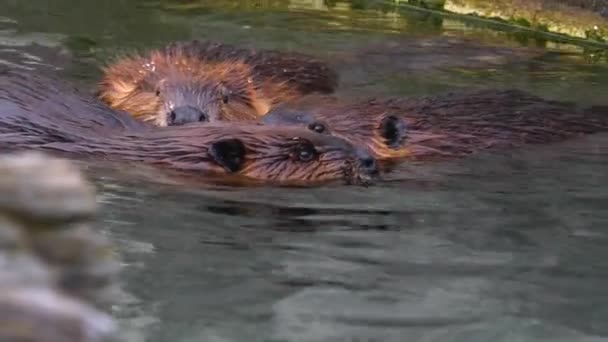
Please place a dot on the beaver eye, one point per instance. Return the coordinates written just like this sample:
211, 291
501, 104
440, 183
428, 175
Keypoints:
157, 92
225, 98
305, 151
317, 127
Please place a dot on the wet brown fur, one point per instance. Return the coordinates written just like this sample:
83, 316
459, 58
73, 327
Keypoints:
253, 81
357, 123
453, 125
302, 72
41, 113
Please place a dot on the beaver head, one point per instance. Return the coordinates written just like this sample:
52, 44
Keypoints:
282, 155
384, 133
169, 90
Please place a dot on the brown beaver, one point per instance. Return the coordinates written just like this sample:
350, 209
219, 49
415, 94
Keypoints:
206, 81
443, 126
382, 131
38, 112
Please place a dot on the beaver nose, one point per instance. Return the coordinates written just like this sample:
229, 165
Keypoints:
368, 164
368, 167
186, 114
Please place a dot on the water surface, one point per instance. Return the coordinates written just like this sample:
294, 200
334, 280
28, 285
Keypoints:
498, 247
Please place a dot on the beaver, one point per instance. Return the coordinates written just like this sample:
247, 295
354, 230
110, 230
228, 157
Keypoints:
208, 81
383, 132
40, 112
443, 126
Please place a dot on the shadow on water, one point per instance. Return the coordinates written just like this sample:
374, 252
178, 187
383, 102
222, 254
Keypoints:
498, 247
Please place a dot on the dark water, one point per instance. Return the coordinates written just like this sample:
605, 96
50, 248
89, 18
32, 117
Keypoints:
498, 247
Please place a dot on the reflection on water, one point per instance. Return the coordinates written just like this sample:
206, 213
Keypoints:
504, 247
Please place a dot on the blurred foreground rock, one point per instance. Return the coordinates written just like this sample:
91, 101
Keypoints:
57, 274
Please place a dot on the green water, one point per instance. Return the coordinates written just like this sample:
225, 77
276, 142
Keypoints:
503, 247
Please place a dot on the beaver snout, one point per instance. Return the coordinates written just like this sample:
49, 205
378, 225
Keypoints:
186, 114
367, 167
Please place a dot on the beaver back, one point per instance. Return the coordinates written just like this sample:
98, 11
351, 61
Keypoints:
303, 72
473, 121
446, 125
61, 111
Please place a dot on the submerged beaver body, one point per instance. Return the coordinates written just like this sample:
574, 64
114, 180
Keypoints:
206, 81
444, 126
41, 113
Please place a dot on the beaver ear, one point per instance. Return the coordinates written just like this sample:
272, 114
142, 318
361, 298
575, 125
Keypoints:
393, 130
228, 153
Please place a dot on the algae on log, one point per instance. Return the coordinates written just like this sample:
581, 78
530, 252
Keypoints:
585, 20
56, 272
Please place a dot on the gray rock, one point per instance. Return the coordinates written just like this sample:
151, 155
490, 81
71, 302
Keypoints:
37, 188
56, 272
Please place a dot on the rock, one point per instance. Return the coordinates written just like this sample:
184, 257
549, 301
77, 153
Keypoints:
41, 314
33, 187
56, 272
84, 262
